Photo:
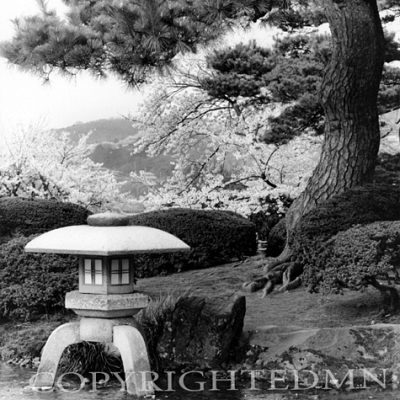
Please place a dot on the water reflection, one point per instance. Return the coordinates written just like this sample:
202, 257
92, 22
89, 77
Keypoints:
14, 386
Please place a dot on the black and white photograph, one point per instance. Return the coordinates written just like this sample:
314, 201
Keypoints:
200, 199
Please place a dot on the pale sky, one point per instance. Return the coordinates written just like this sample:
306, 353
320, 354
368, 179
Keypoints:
25, 100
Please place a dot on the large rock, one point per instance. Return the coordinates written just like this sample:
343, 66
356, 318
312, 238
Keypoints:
201, 333
335, 349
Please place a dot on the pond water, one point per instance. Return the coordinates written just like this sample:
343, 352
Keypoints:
14, 385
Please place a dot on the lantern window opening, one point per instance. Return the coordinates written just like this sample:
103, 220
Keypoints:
120, 274
93, 273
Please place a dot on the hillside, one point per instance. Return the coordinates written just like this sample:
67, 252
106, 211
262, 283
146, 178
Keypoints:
112, 146
102, 130
120, 158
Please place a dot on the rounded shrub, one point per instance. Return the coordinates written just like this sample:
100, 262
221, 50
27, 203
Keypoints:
214, 236
276, 239
33, 284
357, 256
360, 205
273, 210
27, 217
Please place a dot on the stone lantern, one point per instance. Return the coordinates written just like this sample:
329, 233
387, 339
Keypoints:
106, 298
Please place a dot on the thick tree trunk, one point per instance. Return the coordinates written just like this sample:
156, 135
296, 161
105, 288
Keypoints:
349, 98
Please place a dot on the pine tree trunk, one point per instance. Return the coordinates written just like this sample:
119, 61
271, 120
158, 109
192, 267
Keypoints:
349, 98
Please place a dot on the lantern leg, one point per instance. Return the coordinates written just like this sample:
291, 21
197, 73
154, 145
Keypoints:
59, 340
132, 347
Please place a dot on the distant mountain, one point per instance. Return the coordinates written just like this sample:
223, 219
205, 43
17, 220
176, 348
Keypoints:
112, 146
118, 157
112, 141
102, 130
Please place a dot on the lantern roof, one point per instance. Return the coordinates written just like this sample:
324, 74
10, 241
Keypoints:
106, 241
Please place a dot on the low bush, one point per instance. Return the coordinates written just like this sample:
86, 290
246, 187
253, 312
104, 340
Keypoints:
33, 284
215, 237
276, 239
273, 210
360, 205
85, 357
363, 252
28, 217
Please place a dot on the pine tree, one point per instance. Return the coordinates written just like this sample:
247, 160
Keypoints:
137, 35
289, 74
127, 38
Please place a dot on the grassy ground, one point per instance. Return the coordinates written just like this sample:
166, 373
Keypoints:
25, 340
295, 308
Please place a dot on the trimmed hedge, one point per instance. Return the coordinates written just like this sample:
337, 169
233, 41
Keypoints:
33, 284
214, 236
360, 253
27, 217
360, 205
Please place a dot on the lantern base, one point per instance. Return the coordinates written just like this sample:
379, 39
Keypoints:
106, 305
125, 337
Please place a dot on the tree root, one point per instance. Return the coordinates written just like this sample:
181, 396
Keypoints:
282, 271
254, 286
275, 263
390, 296
289, 282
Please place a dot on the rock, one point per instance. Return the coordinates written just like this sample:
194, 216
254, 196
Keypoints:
108, 219
335, 349
201, 333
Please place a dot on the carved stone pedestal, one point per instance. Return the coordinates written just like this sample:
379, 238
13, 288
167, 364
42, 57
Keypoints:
121, 333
